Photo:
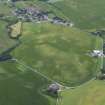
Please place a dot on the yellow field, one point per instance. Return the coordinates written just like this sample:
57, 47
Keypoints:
16, 29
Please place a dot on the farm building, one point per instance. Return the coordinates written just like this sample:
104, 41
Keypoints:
53, 88
101, 76
98, 33
97, 53
58, 20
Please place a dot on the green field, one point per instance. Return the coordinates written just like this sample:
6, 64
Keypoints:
5, 9
91, 93
86, 14
58, 52
21, 86
5, 41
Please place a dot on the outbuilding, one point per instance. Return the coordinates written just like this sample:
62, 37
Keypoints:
53, 88
97, 53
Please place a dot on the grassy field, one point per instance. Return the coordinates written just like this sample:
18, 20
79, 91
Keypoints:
5, 9
88, 94
5, 41
21, 86
86, 14
58, 52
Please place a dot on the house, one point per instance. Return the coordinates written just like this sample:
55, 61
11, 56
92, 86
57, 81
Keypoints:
98, 33
58, 20
97, 53
101, 77
16, 0
53, 88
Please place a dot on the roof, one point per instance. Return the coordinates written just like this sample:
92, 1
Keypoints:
53, 87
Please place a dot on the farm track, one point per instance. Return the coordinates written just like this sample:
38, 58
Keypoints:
33, 70
59, 99
36, 71
49, 79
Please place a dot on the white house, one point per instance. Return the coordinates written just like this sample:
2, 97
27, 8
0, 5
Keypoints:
97, 53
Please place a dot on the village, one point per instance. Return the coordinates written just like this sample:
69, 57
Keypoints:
32, 14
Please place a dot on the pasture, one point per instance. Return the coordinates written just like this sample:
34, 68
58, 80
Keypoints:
59, 53
5, 41
91, 93
85, 14
21, 86
5, 9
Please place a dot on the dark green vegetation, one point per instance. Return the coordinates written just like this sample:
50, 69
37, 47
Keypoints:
20, 86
